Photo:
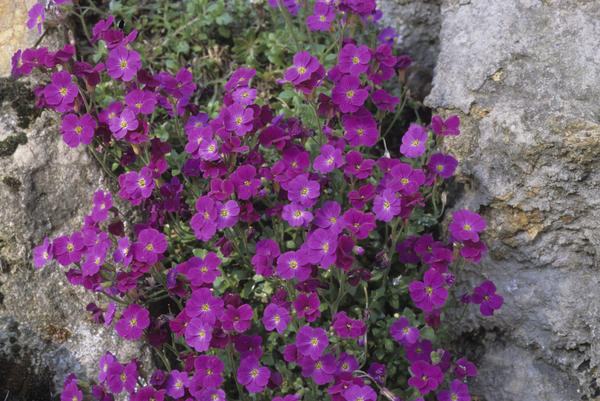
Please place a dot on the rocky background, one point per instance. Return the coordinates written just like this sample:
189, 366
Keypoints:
523, 75
46, 189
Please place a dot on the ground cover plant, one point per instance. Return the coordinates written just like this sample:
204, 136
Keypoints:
287, 250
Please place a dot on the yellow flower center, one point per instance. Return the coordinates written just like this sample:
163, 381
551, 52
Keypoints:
112, 115
205, 307
467, 227
202, 333
254, 372
123, 377
325, 247
405, 330
38, 19
150, 247
294, 164
293, 264
204, 269
333, 220
439, 167
97, 261
123, 64
70, 247
314, 341
386, 205
345, 366
356, 225
63, 91
224, 213
276, 318
301, 70
330, 161
453, 397
318, 365
297, 213
46, 256
206, 215
211, 148
360, 131
142, 182
322, 18
209, 372
238, 120
178, 384
138, 105
78, 129
350, 94
123, 124
429, 290
415, 142
404, 181
247, 183
355, 60
304, 191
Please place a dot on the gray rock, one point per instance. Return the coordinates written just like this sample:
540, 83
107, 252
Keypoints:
417, 23
524, 76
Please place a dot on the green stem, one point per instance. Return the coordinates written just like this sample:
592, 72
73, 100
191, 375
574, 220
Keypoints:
289, 24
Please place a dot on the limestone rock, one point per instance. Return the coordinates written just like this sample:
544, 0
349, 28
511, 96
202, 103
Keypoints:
417, 23
46, 189
524, 76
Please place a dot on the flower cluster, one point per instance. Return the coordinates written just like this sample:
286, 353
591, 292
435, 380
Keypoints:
270, 232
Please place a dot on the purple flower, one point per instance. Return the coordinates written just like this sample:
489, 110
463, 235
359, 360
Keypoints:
244, 96
359, 223
204, 223
94, 259
448, 127
151, 245
238, 119
413, 141
346, 327
377, 371
71, 392
304, 66
348, 95
141, 101
487, 299
238, 319
241, 77
227, 213
203, 271
387, 36
252, 375
100, 27
245, 182
386, 206
320, 247
403, 332
110, 314
61, 93
466, 225
426, 377
42, 254
359, 198
347, 363
293, 264
77, 130
328, 217
68, 250
122, 254
359, 393
102, 203
276, 317
208, 371
267, 252
249, 346
383, 100
311, 342
133, 322
406, 179
307, 306
458, 392
176, 383
464, 368
354, 60
36, 17
419, 351
121, 125
472, 250
321, 370
322, 17
104, 362
119, 377
198, 334
295, 215
430, 292
329, 159
303, 192
123, 64
356, 166
203, 305
361, 129
442, 164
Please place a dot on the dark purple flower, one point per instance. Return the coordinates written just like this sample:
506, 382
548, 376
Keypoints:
245, 182
123, 64
346, 327
359, 223
100, 27
119, 377
227, 213
383, 100
406, 179
360, 393
238, 119
252, 375
464, 368
359, 198
71, 392
473, 250
241, 77
208, 371
238, 319
387, 36
203, 271
413, 141
304, 66
466, 225
141, 101
104, 362
203, 305
356, 166
296, 215
321, 370
267, 251
307, 306
177, 383
328, 217
487, 299
303, 191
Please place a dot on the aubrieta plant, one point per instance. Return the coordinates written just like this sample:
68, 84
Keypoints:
286, 252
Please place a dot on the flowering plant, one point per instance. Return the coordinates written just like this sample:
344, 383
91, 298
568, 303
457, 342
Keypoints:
292, 253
